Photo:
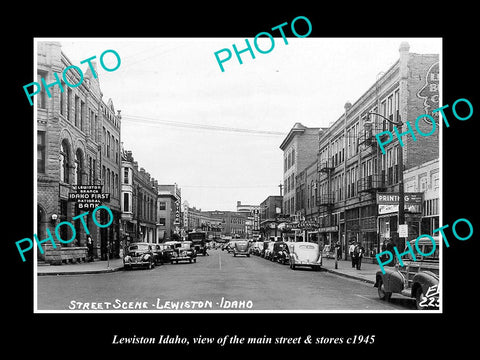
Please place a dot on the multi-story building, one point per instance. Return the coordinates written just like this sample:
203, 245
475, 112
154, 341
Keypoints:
252, 223
69, 139
110, 169
270, 210
169, 212
233, 222
300, 149
353, 169
425, 178
139, 202
197, 220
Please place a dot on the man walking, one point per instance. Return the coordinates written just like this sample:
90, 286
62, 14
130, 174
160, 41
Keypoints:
351, 250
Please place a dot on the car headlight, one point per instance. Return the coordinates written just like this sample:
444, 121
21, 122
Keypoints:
145, 257
127, 258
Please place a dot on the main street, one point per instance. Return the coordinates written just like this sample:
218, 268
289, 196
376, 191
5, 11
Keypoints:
217, 279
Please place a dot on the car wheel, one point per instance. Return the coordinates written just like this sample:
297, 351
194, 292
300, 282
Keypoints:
195, 260
382, 294
248, 255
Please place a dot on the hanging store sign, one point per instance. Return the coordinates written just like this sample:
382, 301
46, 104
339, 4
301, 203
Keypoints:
388, 202
88, 196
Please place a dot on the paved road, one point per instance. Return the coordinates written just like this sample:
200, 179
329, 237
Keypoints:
210, 283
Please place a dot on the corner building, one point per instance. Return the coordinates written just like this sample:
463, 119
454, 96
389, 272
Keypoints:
353, 169
69, 153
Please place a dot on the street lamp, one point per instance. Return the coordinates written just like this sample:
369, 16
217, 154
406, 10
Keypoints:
401, 193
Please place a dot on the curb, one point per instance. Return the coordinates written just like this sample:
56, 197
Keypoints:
349, 276
81, 272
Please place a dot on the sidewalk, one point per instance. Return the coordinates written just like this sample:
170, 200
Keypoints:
95, 267
366, 273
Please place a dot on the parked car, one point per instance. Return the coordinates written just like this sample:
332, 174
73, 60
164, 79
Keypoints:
184, 252
256, 248
264, 248
241, 247
305, 254
269, 251
139, 255
162, 253
415, 279
281, 253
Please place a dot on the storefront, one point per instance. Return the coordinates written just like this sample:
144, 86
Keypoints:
388, 218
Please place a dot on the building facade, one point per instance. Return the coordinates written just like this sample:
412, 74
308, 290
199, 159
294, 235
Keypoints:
300, 149
111, 167
169, 212
138, 202
69, 156
352, 168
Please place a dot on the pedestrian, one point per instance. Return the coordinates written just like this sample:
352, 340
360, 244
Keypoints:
358, 252
90, 248
351, 250
339, 250
390, 247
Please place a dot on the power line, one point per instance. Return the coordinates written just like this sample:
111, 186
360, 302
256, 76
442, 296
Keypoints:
159, 122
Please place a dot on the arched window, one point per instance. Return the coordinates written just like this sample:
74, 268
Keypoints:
64, 161
78, 167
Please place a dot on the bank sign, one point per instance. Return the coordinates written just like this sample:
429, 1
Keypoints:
88, 196
388, 202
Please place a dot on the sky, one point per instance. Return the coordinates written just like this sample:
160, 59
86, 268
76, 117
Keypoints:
217, 134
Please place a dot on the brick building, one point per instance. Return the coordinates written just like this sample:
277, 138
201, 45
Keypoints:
352, 169
69, 143
169, 212
139, 202
300, 149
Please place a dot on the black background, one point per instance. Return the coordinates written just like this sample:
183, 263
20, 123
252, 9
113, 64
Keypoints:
425, 335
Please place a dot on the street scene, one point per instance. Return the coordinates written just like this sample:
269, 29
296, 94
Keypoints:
219, 282
165, 183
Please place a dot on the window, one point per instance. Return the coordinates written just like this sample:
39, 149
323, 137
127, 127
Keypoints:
62, 99
42, 97
293, 157
126, 202
69, 99
162, 221
41, 151
77, 111
78, 167
82, 116
107, 152
64, 161
162, 205
126, 175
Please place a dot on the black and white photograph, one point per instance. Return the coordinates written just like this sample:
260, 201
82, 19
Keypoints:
272, 187
235, 189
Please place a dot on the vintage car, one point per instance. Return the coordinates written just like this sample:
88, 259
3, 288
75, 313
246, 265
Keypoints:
162, 253
281, 253
139, 255
241, 247
269, 250
256, 248
305, 254
416, 279
198, 238
183, 251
